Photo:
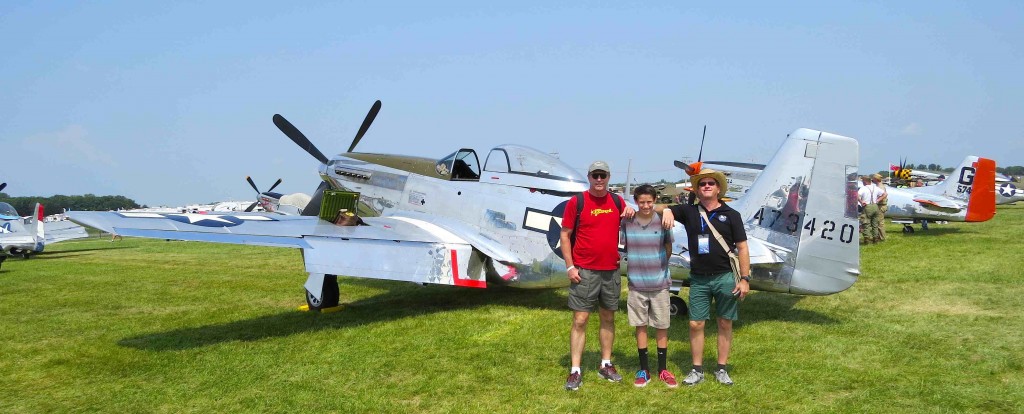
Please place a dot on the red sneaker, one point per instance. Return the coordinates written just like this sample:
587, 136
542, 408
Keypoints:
668, 378
641, 378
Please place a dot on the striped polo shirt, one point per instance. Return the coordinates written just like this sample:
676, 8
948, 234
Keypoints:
647, 263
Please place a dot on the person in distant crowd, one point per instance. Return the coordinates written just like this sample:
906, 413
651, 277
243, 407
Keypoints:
711, 275
866, 197
882, 198
648, 247
590, 248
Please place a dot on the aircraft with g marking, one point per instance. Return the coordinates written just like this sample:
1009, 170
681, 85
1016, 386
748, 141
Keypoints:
456, 221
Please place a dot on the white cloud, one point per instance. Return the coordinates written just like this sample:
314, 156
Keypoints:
911, 129
70, 143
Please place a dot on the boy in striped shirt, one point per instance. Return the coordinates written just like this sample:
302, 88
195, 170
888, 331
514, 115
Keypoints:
648, 247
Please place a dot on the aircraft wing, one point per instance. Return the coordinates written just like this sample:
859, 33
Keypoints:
58, 231
393, 248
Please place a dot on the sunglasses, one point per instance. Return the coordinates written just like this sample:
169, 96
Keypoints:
598, 175
707, 183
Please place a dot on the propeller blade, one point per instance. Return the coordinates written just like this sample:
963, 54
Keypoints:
313, 208
3, 186
251, 206
699, 154
275, 185
292, 132
366, 125
249, 179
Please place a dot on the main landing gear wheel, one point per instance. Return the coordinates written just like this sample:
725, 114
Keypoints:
907, 228
330, 296
677, 306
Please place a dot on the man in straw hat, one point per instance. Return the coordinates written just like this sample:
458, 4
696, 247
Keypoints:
711, 276
590, 247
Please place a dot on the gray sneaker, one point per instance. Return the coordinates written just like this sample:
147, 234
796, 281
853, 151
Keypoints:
573, 382
723, 377
609, 373
693, 378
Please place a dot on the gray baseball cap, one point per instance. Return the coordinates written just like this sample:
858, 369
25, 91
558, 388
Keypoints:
599, 166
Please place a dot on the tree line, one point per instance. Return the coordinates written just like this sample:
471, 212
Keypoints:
57, 203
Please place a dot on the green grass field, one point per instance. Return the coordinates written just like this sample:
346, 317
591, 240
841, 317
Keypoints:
933, 325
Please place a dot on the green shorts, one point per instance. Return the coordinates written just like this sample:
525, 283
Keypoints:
719, 287
596, 286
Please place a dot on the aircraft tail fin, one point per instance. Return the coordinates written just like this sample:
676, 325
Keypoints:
982, 203
802, 210
38, 216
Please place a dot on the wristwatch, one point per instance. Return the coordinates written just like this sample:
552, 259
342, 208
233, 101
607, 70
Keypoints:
747, 278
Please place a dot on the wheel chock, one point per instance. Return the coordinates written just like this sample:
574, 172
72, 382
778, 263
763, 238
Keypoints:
332, 309
305, 308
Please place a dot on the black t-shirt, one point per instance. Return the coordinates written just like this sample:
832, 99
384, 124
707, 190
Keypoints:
728, 223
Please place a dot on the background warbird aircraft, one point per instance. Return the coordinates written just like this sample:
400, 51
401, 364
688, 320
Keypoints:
1007, 193
967, 195
23, 236
20, 236
456, 221
271, 202
740, 175
905, 174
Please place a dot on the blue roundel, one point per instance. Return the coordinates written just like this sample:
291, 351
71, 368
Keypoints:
1007, 189
205, 220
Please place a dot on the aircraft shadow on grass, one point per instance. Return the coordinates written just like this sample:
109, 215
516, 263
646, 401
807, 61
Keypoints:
74, 252
931, 232
397, 303
410, 301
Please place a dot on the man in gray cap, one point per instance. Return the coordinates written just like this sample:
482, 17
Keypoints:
590, 240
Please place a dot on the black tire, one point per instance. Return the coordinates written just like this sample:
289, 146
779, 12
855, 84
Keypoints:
908, 229
677, 307
330, 295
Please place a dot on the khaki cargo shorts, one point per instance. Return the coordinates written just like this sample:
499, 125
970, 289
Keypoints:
596, 287
649, 309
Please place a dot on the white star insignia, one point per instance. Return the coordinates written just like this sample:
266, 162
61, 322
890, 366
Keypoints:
193, 218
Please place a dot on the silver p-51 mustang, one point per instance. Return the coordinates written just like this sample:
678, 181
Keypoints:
457, 221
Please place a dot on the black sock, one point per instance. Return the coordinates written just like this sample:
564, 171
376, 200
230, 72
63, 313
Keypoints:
722, 367
662, 357
699, 369
643, 359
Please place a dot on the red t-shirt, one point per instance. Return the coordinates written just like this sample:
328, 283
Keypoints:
597, 239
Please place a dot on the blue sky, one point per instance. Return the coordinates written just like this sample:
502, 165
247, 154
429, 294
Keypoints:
171, 102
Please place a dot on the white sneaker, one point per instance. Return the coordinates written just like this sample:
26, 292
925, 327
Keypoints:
723, 377
693, 378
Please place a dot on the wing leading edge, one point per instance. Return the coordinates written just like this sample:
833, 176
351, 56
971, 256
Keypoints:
392, 248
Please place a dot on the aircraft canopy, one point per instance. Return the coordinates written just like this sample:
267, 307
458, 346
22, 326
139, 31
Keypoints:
517, 159
8, 210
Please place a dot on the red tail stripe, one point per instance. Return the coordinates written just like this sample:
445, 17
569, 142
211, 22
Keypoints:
982, 204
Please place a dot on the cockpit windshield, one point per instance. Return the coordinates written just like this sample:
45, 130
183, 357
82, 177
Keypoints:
517, 159
8, 210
